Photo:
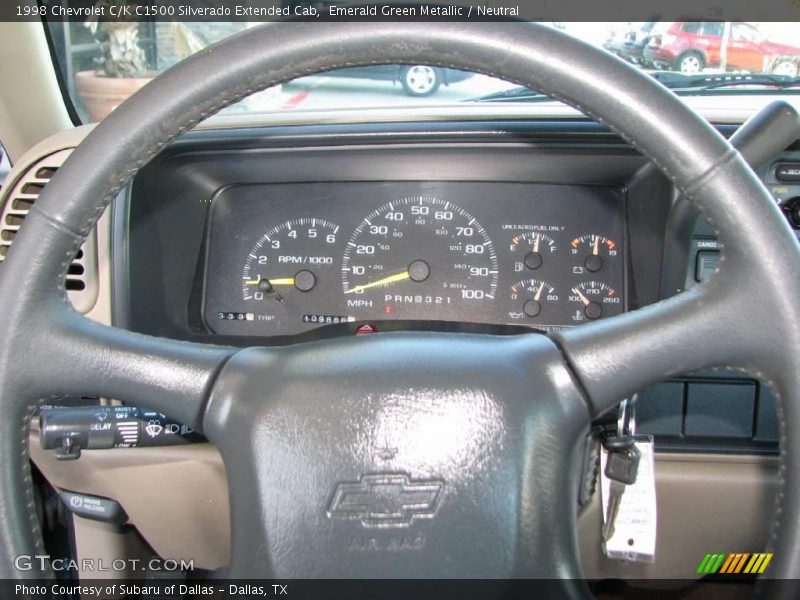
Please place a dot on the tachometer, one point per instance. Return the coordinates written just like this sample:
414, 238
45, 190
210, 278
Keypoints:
288, 261
419, 257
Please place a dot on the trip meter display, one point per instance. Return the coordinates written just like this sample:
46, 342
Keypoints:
288, 259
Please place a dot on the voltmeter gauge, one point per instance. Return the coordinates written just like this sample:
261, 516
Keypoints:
595, 300
529, 298
592, 251
531, 250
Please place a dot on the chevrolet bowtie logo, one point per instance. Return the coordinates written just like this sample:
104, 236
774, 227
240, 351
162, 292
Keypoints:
386, 500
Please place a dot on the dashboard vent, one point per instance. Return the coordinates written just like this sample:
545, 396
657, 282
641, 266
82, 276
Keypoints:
19, 196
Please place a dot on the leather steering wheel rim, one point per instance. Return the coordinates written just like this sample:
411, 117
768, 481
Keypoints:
748, 308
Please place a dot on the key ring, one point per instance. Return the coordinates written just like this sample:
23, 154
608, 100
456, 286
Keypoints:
626, 417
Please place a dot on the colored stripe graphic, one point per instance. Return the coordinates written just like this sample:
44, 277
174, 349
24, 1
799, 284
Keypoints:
740, 566
704, 563
767, 558
732, 558
755, 562
737, 562
710, 563
717, 562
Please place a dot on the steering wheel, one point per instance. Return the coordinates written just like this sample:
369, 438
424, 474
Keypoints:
464, 448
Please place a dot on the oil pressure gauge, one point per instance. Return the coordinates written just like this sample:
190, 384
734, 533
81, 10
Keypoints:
529, 298
592, 251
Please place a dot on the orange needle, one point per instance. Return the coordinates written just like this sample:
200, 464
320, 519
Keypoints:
539, 293
583, 298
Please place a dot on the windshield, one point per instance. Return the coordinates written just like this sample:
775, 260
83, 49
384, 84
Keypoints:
103, 62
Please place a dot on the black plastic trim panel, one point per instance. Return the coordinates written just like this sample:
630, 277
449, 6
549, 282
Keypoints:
162, 224
710, 412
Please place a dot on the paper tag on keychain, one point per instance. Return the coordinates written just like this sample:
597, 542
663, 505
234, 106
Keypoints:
634, 536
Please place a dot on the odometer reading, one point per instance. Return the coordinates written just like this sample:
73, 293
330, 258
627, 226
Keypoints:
420, 258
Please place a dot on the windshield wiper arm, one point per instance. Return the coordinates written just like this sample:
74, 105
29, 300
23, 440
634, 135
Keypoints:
515, 94
701, 83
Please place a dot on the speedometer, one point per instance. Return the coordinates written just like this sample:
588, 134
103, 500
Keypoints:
419, 257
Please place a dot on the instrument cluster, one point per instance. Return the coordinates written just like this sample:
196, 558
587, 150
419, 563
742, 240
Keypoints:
286, 259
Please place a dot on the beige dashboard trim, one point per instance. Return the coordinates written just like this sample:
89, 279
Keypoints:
177, 497
705, 503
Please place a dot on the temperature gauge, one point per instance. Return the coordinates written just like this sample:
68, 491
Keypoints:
531, 249
529, 297
592, 251
597, 300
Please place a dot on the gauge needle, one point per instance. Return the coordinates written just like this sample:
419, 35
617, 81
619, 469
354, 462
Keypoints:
539, 293
383, 281
583, 298
596, 242
282, 281
536, 243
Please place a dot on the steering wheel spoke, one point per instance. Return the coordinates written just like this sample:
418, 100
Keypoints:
88, 358
618, 357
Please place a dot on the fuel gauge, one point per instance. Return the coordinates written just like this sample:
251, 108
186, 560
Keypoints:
592, 251
529, 297
531, 249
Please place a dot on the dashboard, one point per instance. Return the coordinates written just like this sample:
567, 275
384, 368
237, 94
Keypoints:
287, 234
283, 235
284, 259
252, 236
